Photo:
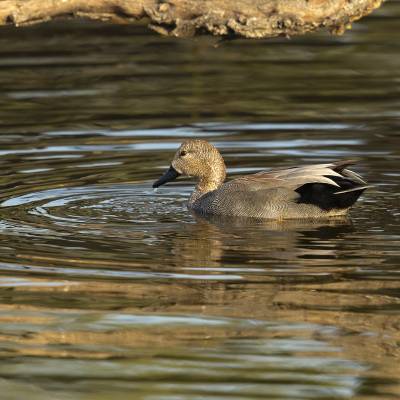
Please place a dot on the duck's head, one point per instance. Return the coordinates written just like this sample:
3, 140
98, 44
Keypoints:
199, 159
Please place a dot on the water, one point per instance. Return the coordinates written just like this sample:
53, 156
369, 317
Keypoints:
110, 290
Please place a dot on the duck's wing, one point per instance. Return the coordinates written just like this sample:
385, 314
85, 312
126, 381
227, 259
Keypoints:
329, 174
325, 185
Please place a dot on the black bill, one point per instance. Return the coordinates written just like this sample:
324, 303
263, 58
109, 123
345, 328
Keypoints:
168, 176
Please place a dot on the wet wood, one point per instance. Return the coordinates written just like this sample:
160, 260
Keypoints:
183, 18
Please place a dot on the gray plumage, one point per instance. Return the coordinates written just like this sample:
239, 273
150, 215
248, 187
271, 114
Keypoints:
311, 191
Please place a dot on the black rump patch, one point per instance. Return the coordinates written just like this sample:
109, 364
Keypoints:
325, 197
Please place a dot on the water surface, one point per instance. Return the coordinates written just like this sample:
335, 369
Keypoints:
109, 290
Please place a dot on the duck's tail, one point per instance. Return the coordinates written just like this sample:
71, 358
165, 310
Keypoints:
346, 188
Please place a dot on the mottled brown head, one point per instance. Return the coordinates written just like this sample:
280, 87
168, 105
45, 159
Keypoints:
200, 159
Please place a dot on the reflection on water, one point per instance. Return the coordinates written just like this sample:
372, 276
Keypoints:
109, 289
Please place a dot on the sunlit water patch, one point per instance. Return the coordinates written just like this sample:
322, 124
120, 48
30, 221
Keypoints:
226, 355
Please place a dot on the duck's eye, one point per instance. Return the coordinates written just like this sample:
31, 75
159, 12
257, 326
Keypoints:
183, 153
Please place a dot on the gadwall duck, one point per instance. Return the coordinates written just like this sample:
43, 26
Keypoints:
310, 191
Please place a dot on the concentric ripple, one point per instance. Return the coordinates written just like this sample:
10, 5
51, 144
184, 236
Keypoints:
88, 207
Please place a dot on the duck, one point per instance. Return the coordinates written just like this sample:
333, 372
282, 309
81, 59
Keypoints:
298, 192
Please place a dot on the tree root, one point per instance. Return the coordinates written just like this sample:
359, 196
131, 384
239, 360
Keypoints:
186, 18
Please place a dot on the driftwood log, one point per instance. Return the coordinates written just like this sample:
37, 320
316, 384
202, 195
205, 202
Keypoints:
185, 18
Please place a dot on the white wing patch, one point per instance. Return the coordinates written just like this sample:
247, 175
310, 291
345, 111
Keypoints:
309, 174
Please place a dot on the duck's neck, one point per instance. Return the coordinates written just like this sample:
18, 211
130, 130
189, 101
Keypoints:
208, 183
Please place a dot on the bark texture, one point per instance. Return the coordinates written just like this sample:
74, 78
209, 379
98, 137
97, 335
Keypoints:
183, 18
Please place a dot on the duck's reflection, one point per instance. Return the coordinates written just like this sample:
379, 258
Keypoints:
220, 241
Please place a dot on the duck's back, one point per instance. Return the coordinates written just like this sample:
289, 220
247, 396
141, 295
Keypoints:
314, 191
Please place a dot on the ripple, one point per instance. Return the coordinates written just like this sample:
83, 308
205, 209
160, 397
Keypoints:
274, 145
36, 94
122, 203
103, 217
109, 273
205, 129
276, 126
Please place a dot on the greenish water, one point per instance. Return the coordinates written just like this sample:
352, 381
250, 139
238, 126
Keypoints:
109, 290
